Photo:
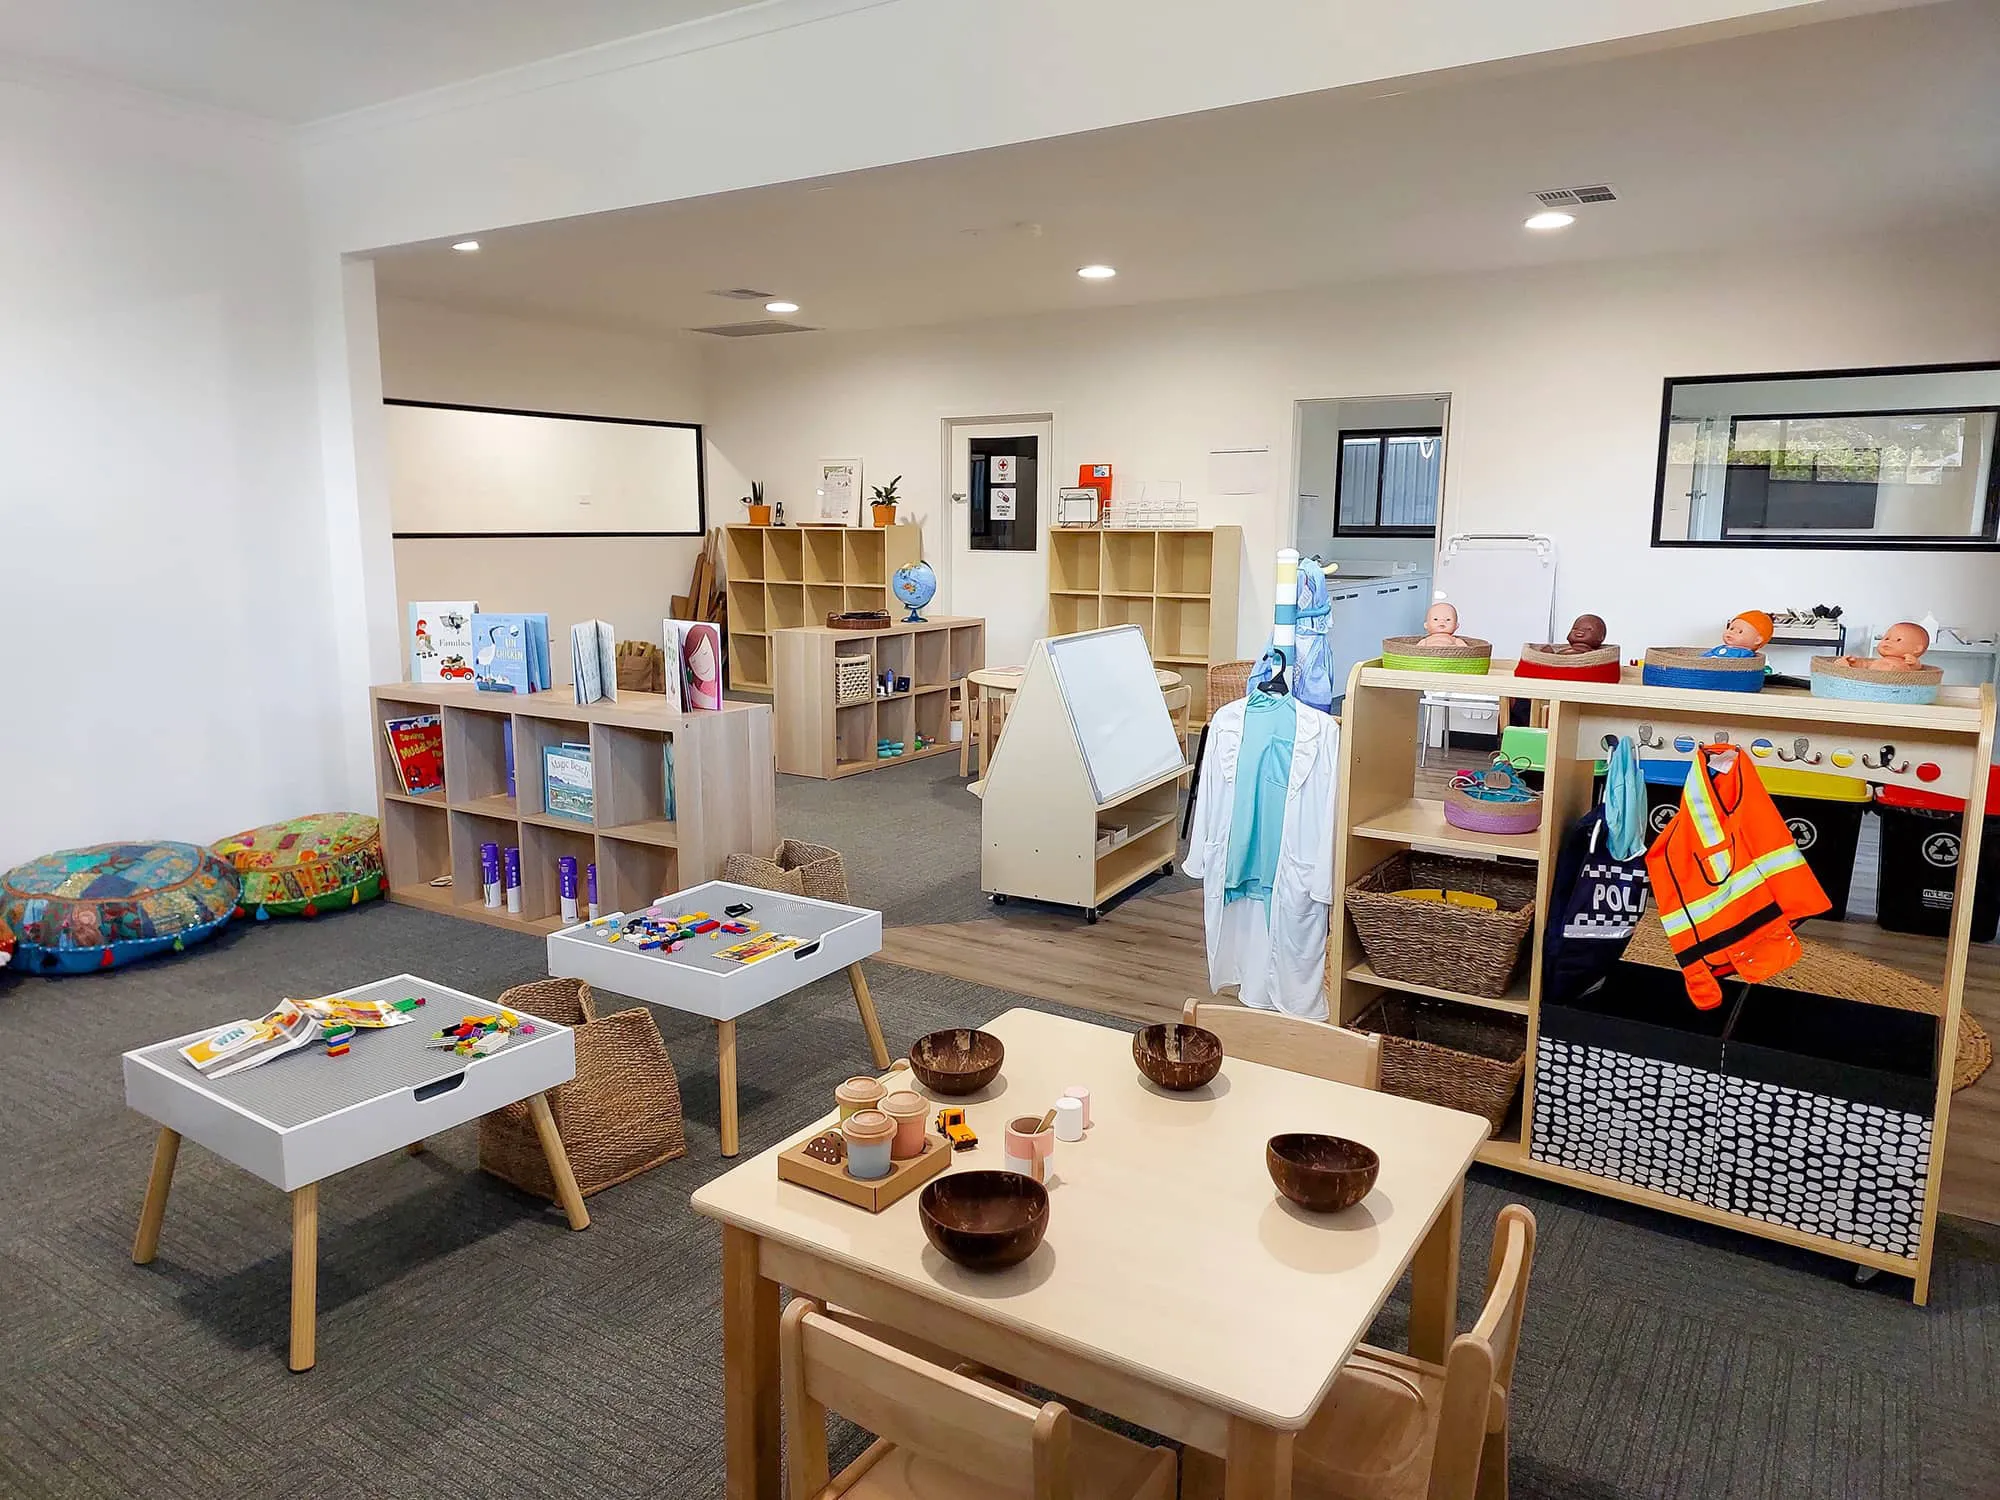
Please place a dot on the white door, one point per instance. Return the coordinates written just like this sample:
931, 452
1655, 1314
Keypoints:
999, 513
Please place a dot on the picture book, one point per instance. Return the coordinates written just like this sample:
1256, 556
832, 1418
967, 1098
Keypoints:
416, 749
244, 1044
510, 652
673, 667
701, 651
752, 950
441, 640
566, 783
593, 660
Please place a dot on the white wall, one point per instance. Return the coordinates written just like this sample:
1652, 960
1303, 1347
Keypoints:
432, 353
1579, 353
163, 576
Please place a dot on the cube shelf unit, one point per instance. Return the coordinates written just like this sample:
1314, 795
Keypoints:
1177, 585
1379, 813
725, 798
786, 577
818, 736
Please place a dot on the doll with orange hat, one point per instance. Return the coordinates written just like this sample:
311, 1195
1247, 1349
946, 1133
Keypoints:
1744, 635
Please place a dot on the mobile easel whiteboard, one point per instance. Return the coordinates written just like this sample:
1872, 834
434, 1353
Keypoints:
1088, 752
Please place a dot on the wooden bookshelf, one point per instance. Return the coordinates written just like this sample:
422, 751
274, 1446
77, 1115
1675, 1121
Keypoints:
1951, 740
725, 802
791, 577
1178, 585
819, 736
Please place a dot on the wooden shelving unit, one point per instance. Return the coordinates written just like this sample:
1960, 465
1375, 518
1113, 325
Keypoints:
1379, 813
788, 577
819, 736
725, 796
1179, 586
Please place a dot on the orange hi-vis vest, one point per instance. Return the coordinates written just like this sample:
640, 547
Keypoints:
1729, 880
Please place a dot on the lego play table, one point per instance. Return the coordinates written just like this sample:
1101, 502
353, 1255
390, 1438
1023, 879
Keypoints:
831, 937
302, 1117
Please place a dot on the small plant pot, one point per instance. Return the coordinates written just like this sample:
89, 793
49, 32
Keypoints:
885, 515
760, 515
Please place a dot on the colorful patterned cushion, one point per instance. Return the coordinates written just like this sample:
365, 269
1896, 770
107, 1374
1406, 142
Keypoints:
83, 909
309, 865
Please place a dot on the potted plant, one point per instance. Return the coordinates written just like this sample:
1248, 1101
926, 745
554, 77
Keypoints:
883, 506
760, 513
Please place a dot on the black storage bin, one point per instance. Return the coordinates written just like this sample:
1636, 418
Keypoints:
1628, 1080
1867, 1054
1918, 877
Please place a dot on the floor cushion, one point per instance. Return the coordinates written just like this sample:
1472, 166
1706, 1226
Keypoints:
83, 909
308, 865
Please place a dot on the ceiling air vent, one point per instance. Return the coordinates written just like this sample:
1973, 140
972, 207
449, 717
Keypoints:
1570, 197
744, 294
753, 330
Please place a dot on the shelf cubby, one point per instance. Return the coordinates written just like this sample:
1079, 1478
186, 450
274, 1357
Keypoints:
933, 717
823, 599
628, 777
895, 719
785, 605
631, 874
1120, 610
824, 552
1128, 562
743, 553
894, 653
933, 649
1071, 613
746, 607
1074, 558
866, 559
854, 734
968, 650
1181, 629
541, 846
784, 555
1185, 562
468, 832
475, 756
858, 597
750, 661
416, 844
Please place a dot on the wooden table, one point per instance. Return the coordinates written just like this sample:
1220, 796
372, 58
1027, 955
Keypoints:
1175, 1288
988, 690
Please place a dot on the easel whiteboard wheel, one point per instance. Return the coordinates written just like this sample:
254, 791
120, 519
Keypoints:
1090, 915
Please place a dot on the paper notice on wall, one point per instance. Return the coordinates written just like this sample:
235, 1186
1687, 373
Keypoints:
1003, 468
1239, 471
1000, 504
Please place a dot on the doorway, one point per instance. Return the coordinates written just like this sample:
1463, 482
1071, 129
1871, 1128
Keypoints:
997, 473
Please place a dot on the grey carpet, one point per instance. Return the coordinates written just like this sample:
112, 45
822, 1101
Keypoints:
471, 1346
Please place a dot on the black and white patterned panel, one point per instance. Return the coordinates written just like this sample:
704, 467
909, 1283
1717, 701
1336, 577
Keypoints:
1633, 1119
1852, 1172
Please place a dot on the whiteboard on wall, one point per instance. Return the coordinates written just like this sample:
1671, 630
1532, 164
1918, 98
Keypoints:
477, 471
1116, 707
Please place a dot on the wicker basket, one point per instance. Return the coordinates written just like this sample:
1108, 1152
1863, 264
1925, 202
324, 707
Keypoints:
1693, 667
620, 1115
851, 680
1833, 678
1447, 947
797, 869
1487, 815
1453, 1055
1408, 653
858, 619
1552, 661
1228, 681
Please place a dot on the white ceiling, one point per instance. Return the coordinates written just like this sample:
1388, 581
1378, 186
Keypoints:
1836, 130
298, 60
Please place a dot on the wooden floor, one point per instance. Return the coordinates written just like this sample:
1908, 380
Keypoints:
1148, 955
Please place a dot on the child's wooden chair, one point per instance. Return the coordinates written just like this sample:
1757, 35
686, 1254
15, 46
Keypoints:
940, 1434
1395, 1428
1281, 1041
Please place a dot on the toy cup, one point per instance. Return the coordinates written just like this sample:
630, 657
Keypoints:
857, 1093
1082, 1097
871, 1136
1069, 1119
907, 1109
1029, 1147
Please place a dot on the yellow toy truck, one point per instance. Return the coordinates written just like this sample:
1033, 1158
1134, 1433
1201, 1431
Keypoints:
951, 1125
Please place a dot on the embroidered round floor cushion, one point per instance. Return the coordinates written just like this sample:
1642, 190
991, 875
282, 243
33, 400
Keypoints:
83, 909
300, 868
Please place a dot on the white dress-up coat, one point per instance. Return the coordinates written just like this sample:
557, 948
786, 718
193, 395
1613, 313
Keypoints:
1279, 963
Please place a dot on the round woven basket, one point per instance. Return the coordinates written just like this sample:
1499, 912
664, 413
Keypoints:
1408, 653
1549, 660
1484, 815
1826, 970
1688, 667
1832, 678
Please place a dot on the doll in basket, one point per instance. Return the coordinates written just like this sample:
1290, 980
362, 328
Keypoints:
1744, 636
1441, 626
1901, 649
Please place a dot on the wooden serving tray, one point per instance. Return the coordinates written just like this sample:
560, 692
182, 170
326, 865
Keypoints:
904, 1178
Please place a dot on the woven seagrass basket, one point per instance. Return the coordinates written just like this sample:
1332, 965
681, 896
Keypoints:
1447, 1054
1689, 667
1831, 678
1435, 943
797, 869
1548, 660
620, 1115
1408, 653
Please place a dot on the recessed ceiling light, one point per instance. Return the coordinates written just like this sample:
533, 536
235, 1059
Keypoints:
1549, 221
466, 247
1097, 273
781, 307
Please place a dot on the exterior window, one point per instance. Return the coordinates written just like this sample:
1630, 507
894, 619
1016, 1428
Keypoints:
1389, 482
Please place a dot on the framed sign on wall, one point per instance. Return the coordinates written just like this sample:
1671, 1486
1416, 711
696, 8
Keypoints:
838, 491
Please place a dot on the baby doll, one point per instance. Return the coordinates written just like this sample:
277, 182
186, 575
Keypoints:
1901, 649
1441, 626
1587, 634
1743, 636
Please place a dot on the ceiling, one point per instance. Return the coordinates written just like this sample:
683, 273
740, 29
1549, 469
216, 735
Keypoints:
299, 60
1836, 130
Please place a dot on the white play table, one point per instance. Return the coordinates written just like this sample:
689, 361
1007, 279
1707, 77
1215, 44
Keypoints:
694, 980
302, 1117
